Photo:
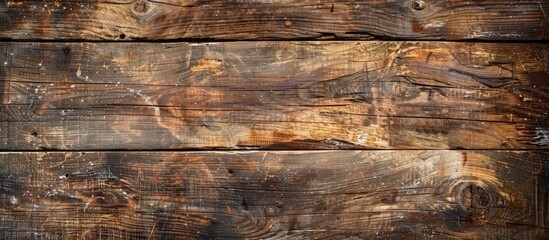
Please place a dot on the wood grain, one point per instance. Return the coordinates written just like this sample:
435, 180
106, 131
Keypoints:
277, 19
274, 195
273, 95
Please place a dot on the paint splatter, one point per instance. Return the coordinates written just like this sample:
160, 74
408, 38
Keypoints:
542, 137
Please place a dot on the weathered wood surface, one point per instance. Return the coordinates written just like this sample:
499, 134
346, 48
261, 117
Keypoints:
278, 195
272, 95
261, 19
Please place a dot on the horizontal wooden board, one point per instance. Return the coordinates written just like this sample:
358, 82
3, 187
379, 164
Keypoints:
273, 95
277, 195
274, 19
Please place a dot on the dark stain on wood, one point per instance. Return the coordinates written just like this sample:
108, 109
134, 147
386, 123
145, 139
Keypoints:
16, 15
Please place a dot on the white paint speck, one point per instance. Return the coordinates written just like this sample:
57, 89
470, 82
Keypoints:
14, 200
362, 138
542, 137
436, 24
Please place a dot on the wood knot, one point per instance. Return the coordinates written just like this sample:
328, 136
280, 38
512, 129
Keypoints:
475, 197
403, 89
419, 5
476, 200
288, 23
140, 7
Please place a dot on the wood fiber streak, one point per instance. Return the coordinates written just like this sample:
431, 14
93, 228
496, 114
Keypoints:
274, 95
441, 194
277, 19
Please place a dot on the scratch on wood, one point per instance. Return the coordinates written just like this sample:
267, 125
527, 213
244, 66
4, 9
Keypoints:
543, 12
152, 231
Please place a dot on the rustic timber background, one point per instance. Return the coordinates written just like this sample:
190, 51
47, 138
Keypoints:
274, 119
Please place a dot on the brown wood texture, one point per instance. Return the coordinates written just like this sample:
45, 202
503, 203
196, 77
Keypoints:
274, 95
446, 194
273, 19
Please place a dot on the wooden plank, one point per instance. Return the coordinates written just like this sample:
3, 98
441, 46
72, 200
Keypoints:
272, 95
278, 195
294, 19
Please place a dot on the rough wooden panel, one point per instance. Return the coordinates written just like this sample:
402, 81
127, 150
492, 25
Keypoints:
307, 95
278, 195
277, 19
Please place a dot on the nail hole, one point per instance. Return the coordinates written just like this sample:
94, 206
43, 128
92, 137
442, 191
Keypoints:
34, 134
66, 50
122, 36
244, 204
279, 204
67, 175
230, 171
